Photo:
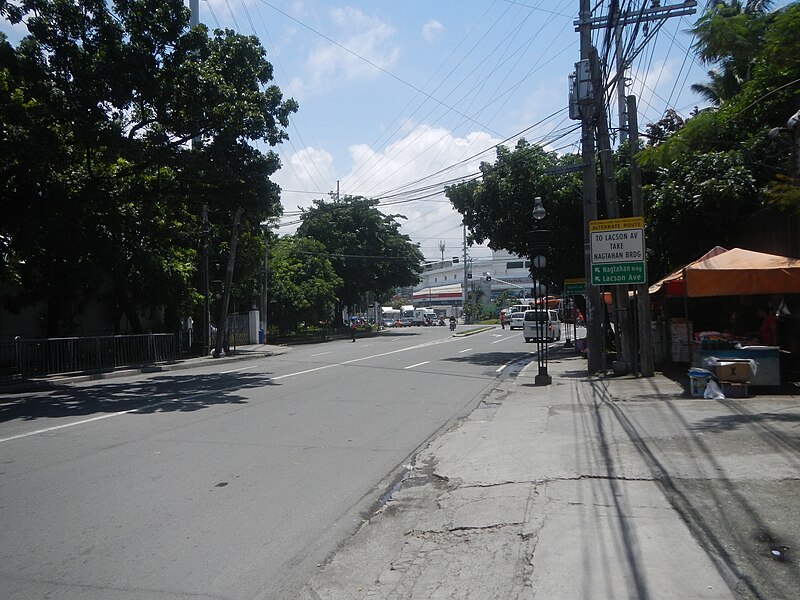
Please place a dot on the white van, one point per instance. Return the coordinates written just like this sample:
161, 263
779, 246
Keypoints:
517, 320
541, 324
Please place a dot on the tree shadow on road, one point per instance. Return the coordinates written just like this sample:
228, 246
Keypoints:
488, 359
731, 422
183, 393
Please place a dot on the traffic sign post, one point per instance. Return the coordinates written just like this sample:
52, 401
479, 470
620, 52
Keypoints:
618, 274
575, 286
617, 251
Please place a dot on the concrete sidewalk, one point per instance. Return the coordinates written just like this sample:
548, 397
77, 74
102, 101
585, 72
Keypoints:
588, 488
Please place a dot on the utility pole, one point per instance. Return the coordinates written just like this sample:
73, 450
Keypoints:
594, 337
194, 13
194, 20
646, 358
621, 102
464, 288
206, 307
619, 294
592, 112
266, 282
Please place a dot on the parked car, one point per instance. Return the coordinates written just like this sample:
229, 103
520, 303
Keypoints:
517, 320
541, 324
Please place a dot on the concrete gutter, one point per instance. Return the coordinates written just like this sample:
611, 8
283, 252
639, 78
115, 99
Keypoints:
473, 331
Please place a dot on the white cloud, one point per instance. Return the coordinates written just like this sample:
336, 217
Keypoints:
537, 105
432, 30
403, 164
654, 87
304, 176
364, 36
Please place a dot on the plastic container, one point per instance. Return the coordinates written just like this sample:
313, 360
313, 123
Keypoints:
698, 380
697, 385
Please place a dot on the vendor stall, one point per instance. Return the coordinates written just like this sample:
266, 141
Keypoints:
730, 287
766, 358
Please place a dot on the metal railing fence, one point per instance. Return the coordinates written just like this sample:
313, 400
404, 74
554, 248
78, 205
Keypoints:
23, 359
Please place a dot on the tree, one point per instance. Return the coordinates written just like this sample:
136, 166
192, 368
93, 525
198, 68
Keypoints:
102, 195
498, 208
729, 34
302, 283
722, 166
659, 131
475, 297
693, 205
366, 248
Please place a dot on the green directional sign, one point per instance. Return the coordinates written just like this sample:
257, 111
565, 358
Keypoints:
617, 251
618, 274
574, 287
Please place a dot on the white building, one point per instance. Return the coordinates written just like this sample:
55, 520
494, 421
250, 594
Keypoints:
441, 283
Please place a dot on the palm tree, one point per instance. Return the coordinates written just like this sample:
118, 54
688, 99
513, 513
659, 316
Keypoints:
722, 85
730, 34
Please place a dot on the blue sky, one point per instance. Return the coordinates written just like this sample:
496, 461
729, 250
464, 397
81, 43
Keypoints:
398, 97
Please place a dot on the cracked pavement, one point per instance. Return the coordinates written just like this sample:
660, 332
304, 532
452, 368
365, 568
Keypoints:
588, 488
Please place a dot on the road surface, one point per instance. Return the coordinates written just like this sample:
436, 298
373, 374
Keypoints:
231, 480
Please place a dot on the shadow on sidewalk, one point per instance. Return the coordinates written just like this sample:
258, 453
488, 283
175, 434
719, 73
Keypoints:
741, 522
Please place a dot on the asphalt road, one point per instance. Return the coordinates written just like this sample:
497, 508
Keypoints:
229, 480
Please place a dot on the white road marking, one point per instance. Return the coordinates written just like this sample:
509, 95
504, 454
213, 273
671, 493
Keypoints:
462, 351
417, 365
98, 418
151, 406
511, 362
237, 370
302, 372
321, 354
64, 426
510, 337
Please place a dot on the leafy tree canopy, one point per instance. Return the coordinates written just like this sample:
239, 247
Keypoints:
365, 246
100, 190
722, 165
302, 283
766, 94
498, 208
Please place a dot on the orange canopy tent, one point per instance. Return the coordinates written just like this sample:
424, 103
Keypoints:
735, 272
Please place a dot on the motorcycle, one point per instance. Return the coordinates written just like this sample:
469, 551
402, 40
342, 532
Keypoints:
452, 325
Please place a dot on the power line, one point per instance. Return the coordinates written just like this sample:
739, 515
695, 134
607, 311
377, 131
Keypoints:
374, 65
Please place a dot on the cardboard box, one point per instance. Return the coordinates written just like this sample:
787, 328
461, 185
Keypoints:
731, 369
734, 390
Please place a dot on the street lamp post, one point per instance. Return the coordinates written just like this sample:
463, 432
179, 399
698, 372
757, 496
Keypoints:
539, 245
571, 313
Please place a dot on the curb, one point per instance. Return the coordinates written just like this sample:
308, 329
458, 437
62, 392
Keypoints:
474, 331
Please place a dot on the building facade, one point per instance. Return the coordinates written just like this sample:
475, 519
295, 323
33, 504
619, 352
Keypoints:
441, 281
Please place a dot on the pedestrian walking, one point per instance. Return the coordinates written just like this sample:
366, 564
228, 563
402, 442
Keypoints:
353, 330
